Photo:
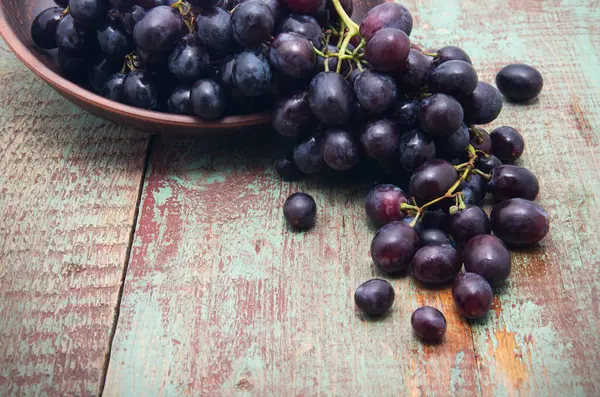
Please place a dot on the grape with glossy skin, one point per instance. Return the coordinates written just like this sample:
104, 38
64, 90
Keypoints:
340, 150
179, 101
455, 78
468, 223
330, 97
483, 105
375, 92
292, 54
386, 15
382, 204
393, 247
88, 12
415, 148
433, 236
387, 49
308, 156
43, 27
452, 53
305, 25
476, 185
113, 87
472, 295
440, 115
252, 23
432, 180
481, 141
287, 168
453, 145
141, 89
213, 29
159, 30
428, 323
436, 263
252, 73
380, 139
207, 99
519, 222
511, 181
71, 37
508, 143
300, 210
487, 164
189, 60
292, 114
414, 73
374, 297
519, 82
405, 113
114, 41
487, 256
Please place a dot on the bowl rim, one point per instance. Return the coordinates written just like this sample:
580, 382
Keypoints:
66, 87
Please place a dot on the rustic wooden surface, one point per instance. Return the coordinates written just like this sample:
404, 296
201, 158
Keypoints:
222, 299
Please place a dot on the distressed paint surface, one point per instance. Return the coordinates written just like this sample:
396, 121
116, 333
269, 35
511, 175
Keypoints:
69, 184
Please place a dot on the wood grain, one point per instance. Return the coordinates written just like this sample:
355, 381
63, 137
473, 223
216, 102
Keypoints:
68, 189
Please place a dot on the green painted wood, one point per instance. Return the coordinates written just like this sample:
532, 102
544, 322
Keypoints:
68, 189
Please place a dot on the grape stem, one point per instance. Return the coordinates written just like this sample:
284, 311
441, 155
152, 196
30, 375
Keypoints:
431, 54
352, 26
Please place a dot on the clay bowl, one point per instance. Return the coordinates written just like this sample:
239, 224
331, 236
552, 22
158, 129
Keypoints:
15, 22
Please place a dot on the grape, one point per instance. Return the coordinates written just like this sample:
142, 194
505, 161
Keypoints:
130, 17
159, 30
481, 141
305, 6
428, 323
71, 65
382, 204
99, 69
113, 87
415, 149
340, 151
508, 143
140, 89
375, 92
483, 105
414, 73
387, 49
405, 113
189, 60
440, 115
487, 256
277, 7
88, 12
436, 263
453, 145
374, 297
292, 114
511, 181
292, 54
451, 53
487, 164
386, 15
380, 139
472, 295
287, 169
393, 247
252, 23
252, 73
468, 223
114, 41
477, 187
300, 210
305, 25
213, 29
432, 179
519, 83
44, 26
519, 222
71, 37
308, 156
179, 101
433, 236
207, 99
456, 78
330, 98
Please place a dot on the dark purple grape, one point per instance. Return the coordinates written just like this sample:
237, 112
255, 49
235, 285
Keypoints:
481, 140
71, 65
428, 323
432, 180
440, 115
508, 144
375, 92
141, 89
382, 204
519, 83
308, 156
71, 37
393, 247
189, 60
252, 23
387, 49
114, 41
519, 222
113, 87
405, 113
415, 148
386, 15
487, 256
433, 236
414, 73
278, 9
99, 69
374, 297
159, 30
476, 185
305, 6
436, 263
44, 26
472, 295
487, 164
483, 105
511, 181
130, 17
330, 98
62, 3
305, 25
292, 114
380, 139
213, 29
252, 73
456, 78
340, 150
207, 99
452, 146
287, 169
88, 12
468, 223
300, 210
179, 101
292, 54
451, 53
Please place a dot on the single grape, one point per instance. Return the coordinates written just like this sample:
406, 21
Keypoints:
330, 97
433, 236
207, 99
292, 54
451, 53
428, 323
487, 256
440, 115
476, 185
130, 16
179, 101
414, 73
386, 15
252, 23
252, 73
508, 143
340, 150
305, 6
481, 140
483, 105
159, 30
44, 26
88, 12
375, 92
519, 222
393, 247
405, 113
189, 60
511, 181
292, 114
487, 164
71, 37
305, 25
287, 169
456, 78
436, 263
468, 223
300, 210
432, 179
415, 148
99, 69
380, 139
213, 29
452, 146
472, 295
387, 49
382, 204
308, 156
113, 87
141, 89
519, 83
374, 297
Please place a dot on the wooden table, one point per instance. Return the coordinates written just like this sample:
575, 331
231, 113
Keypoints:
133, 265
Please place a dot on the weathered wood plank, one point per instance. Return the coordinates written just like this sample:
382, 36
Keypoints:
68, 189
